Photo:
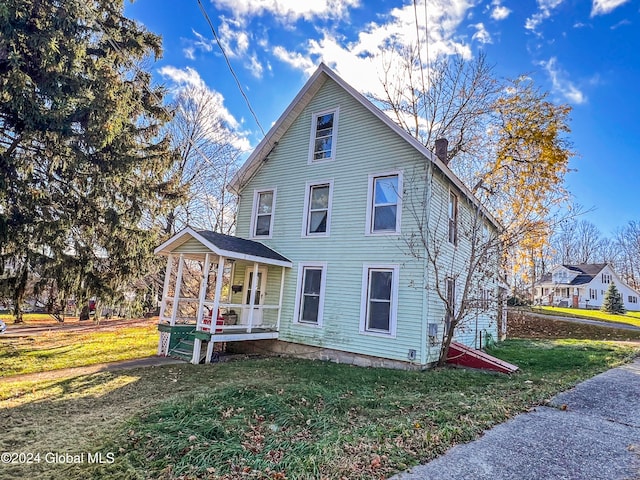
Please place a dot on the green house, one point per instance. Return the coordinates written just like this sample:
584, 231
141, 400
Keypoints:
352, 239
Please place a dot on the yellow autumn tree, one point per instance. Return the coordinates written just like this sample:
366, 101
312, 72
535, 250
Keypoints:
507, 141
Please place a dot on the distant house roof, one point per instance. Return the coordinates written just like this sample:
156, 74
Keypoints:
586, 273
225, 245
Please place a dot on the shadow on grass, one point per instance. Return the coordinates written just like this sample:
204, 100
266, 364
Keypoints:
299, 418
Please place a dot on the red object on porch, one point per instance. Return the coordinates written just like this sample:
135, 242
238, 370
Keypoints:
207, 322
470, 357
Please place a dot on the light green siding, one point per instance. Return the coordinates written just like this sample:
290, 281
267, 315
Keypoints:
192, 246
454, 261
365, 146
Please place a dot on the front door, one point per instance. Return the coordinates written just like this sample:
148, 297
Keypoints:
248, 282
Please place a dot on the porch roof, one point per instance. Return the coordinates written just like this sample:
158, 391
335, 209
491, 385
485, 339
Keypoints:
225, 245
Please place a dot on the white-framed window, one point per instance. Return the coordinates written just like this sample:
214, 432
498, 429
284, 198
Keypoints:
264, 202
317, 209
324, 127
606, 278
379, 305
633, 299
453, 218
485, 299
593, 294
384, 200
310, 293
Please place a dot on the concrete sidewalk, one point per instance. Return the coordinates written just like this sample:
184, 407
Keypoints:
596, 437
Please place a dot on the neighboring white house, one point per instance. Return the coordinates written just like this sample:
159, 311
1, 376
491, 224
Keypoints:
320, 266
582, 286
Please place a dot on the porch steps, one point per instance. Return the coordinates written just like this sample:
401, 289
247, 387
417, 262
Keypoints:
184, 351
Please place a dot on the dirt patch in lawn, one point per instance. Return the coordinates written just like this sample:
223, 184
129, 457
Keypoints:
522, 325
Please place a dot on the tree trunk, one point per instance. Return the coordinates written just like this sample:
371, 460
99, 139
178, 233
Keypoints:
18, 295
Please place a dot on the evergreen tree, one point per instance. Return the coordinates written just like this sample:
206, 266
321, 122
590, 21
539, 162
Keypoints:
612, 302
82, 168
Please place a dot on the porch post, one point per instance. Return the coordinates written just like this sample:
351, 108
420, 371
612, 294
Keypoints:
197, 345
165, 286
216, 306
280, 300
203, 291
252, 297
178, 287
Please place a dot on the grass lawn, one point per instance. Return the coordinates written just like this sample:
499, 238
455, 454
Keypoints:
28, 318
630, 318
63, 349
281, 418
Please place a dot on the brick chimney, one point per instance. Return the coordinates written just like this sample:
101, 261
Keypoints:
441, 150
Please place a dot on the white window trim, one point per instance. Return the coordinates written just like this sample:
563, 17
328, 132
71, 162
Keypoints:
364, 300
312, 137
254, 213
305, 214
299, 282
369, 217
456, 218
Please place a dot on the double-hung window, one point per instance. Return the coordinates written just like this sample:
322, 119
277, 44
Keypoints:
323, 136
317, 210
379, 299
310, 293
453, 218
385, 203
262, 218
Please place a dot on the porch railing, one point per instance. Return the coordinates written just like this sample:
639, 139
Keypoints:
234, 317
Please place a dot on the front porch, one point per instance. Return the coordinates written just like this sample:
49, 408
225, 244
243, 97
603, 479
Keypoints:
567, 296
218, 289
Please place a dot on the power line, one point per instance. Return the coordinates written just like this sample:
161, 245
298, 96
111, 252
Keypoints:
226, 58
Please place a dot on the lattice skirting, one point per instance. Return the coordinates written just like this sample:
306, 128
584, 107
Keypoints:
163, 344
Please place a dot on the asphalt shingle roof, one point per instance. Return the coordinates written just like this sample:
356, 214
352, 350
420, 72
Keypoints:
241, 245
586, 272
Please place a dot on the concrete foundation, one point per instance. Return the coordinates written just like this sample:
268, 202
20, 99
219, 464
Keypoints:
297, 350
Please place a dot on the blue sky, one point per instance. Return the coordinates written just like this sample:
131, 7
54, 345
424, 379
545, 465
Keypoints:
585, 53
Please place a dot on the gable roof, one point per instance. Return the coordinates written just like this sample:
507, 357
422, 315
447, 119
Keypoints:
586, 273
225, 245
299, 103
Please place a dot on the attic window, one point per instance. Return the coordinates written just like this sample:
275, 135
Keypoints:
323, 136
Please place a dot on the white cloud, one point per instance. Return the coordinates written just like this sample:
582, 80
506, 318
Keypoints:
562, 85
545, 10
499, 12
189, 80
602, 7
296, 60
189, 52
202, 42
363, 62
180, 78
481, 35
288, 10
254, 66
199, 44
234, 39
